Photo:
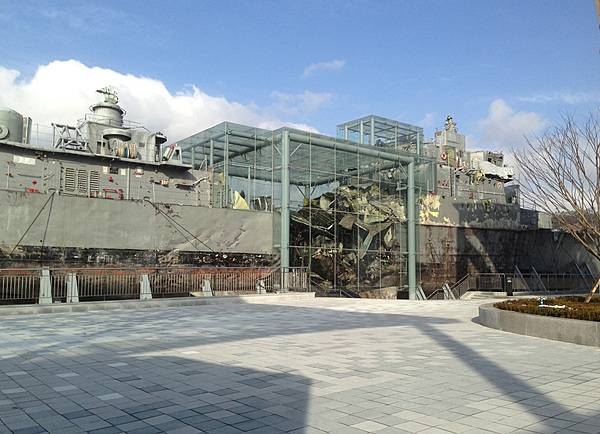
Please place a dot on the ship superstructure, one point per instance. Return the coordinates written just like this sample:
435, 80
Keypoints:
377, 208
110, 192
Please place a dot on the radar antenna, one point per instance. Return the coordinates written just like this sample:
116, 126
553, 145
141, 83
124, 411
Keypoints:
110, 94
450, 125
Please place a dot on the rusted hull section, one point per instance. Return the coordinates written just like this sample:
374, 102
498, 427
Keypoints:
76, 257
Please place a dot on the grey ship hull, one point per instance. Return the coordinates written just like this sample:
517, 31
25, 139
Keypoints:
75, 231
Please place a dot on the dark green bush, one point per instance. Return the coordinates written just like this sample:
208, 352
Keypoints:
575, 307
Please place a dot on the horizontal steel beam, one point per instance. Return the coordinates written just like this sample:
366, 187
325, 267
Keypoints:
347, 147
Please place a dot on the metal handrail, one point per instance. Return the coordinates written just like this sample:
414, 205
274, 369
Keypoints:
457, 288
448, 293
435, 293
497, 282
537, 277
461, 280
520, 276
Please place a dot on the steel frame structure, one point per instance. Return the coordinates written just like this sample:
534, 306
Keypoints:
272, 162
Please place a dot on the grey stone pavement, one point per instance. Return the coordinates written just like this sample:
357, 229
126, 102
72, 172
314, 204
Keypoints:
311, 366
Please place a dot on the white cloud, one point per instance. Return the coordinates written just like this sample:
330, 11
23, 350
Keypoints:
429, 120
62, 91
300, 103
333, 65
565, 96
505, 128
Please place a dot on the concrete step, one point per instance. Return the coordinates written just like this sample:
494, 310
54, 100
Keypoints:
483, 295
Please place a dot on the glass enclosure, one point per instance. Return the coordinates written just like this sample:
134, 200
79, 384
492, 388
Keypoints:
345, 210
382, 132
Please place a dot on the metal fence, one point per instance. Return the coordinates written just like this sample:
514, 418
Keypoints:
522, 282
221, 281
19, 286
93, 284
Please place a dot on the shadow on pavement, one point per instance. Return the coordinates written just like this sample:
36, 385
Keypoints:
107, 371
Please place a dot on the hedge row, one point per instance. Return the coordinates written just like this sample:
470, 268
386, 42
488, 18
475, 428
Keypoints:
575, 307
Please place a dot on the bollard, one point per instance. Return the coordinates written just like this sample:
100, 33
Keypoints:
508, 286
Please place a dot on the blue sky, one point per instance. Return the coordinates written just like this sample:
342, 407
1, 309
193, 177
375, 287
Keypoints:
501, 68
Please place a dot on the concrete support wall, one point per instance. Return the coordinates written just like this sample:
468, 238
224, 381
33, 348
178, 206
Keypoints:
447, 253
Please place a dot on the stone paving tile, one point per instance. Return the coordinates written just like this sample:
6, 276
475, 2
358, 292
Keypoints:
370, 426
393, 430
30, 430
109, 430
585, 428
312, 366
184, 430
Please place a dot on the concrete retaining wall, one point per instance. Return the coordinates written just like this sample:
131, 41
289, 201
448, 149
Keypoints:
558, 329
33, 309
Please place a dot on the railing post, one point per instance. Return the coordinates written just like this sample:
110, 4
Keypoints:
145, 291
448, 294
72, 289
45, 296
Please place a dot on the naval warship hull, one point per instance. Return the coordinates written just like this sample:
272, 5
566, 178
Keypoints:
55, 230
108, 192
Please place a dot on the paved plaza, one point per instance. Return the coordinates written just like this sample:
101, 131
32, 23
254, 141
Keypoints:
304, 366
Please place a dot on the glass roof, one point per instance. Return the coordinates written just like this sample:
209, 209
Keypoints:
382, 132
314, 159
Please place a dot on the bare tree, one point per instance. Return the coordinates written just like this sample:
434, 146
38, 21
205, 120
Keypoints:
560, 173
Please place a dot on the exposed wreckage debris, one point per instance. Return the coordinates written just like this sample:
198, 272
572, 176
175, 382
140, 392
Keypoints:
470, 221
355, 234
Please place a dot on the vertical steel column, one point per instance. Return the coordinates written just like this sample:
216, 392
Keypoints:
226, 168
212, 152
285, 209
249, 186
310, 185
361, 131
372, 132
418, 144
356, 216
412, 229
